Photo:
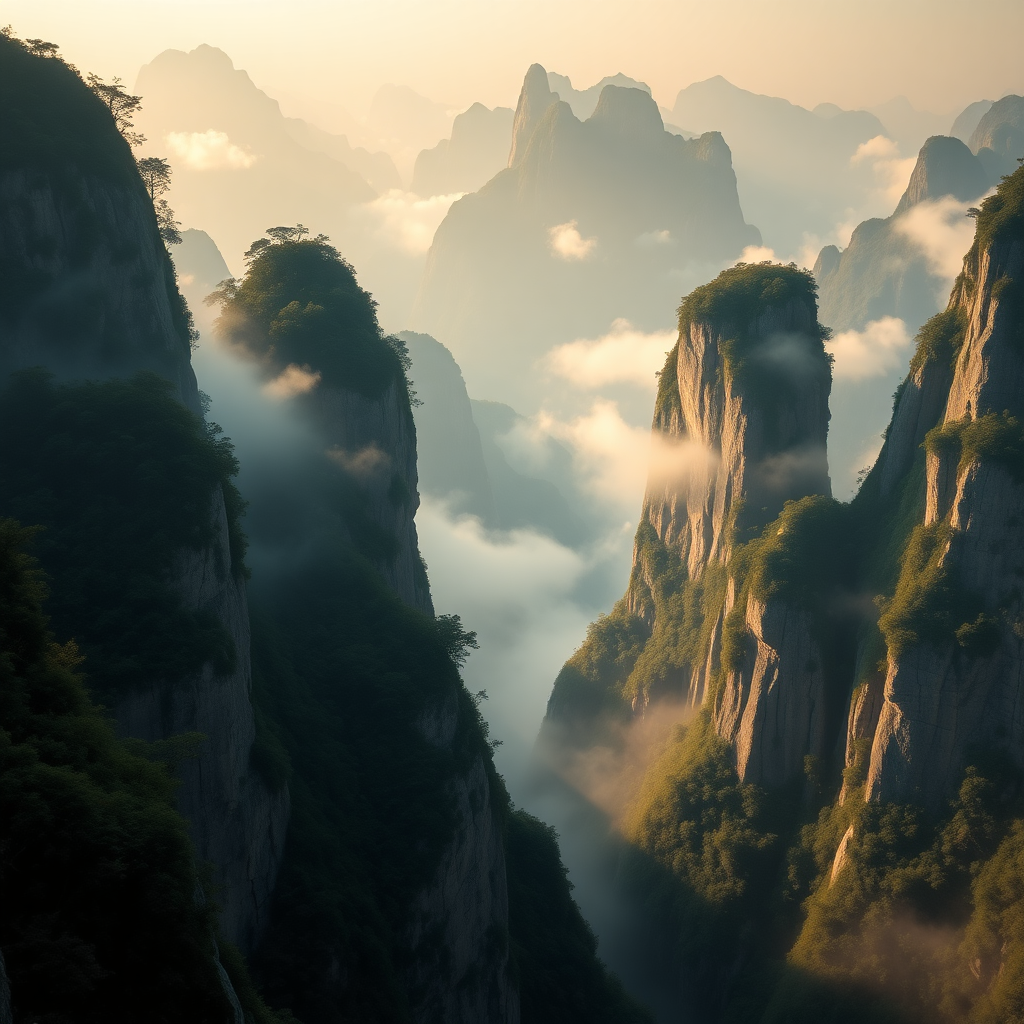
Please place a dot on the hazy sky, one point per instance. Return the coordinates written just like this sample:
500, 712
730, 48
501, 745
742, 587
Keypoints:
941, 54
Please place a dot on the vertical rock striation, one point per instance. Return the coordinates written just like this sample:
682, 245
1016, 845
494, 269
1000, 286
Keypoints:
955, 656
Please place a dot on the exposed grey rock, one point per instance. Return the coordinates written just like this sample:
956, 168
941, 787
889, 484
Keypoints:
941, 700
97, 298
237, 823
374, 440
459, 923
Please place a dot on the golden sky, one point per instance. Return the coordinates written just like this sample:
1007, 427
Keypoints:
938, 53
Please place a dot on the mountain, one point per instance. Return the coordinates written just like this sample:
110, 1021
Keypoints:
237, 164
451, 459
830, 832
584, 101
291, 774
462, 462
886, 271
591, 221
547, 504
907, 125
793, 165
968, 118
998, 140
377, 168
476, 151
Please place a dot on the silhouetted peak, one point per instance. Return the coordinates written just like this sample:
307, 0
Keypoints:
628, 111
827, 262
713, 149
534, 99
945, 167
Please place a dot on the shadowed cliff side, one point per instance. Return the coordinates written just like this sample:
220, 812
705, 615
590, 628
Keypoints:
89, 293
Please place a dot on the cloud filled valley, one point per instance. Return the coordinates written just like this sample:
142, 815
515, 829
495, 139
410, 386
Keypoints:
508, 549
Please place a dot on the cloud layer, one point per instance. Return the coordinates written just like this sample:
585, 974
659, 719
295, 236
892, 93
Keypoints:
403, 220
623, 355
882, 346
943, 232
568, 244
208, 151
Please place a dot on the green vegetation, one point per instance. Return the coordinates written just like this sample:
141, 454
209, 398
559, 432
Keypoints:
125, 480
561, 980
771, 372
345, 673
299, 304
993, 437
52, 122
940, 339
101, 919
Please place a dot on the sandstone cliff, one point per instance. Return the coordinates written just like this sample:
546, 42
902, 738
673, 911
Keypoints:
954, 662
739, 430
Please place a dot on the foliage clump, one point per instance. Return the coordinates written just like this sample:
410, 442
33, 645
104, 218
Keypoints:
299, 304
773, 370
124, 479
101, 918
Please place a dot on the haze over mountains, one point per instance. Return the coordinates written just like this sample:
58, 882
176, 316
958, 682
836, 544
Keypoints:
350, 489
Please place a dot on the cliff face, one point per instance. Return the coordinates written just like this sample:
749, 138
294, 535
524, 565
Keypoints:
374, 440
947, 695
94, 296
739, 429
886, 272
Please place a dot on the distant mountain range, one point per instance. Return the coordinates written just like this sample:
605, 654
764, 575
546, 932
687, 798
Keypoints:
592, 220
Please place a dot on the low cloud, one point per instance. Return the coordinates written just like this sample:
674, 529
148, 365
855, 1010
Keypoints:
882, 346
758, 254
616, 460
890, 171
363, 463
942, 231
293, 380
623, 355
650, 239
208, 151
404, 220
568, 244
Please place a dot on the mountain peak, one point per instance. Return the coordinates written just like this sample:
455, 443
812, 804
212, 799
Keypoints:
534, 99
945, 167
628, 111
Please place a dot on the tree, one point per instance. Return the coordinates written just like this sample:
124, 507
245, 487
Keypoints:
457, 642
156, 176
286, 234
122, 106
